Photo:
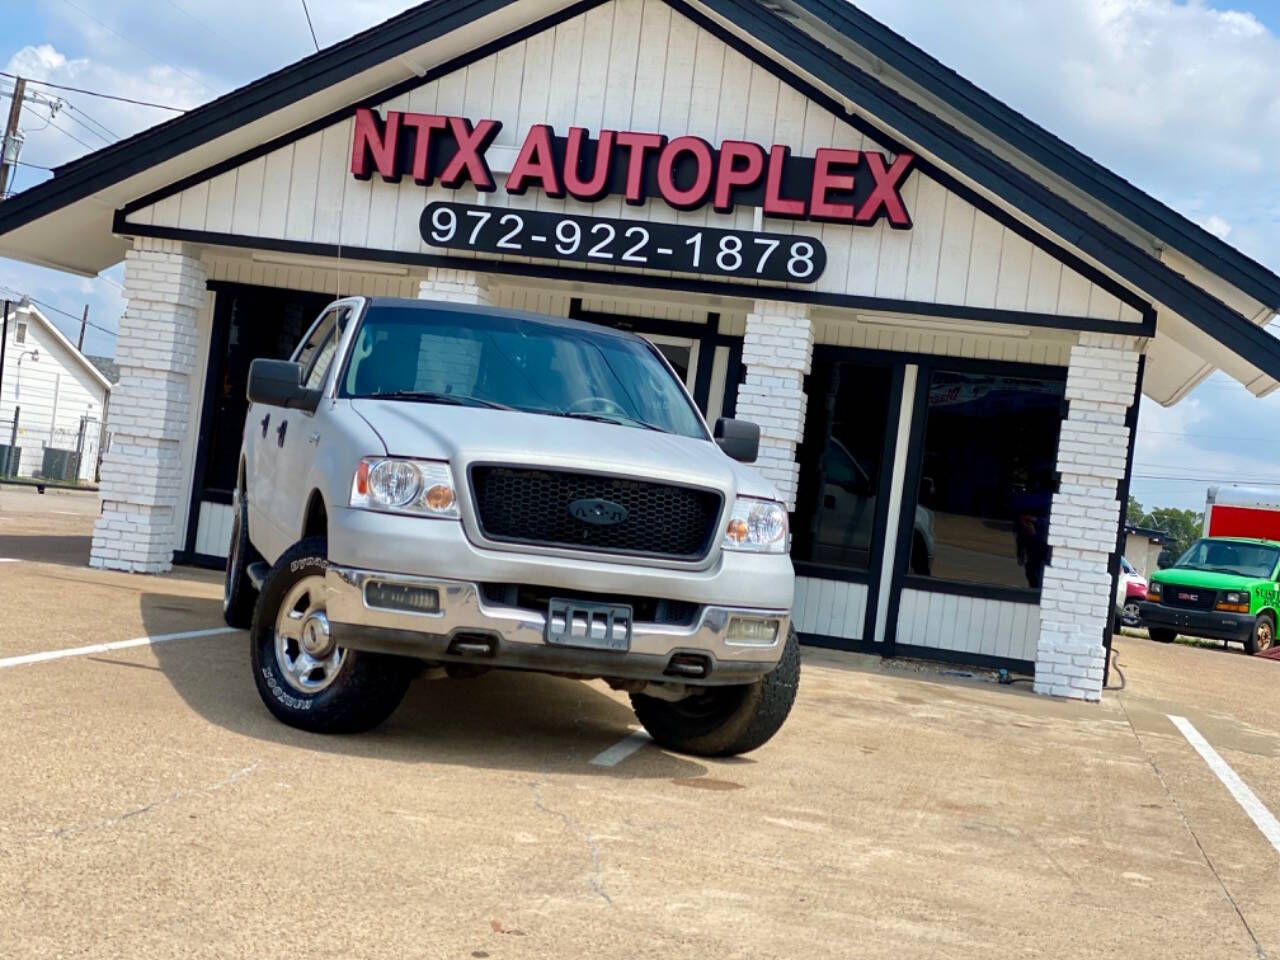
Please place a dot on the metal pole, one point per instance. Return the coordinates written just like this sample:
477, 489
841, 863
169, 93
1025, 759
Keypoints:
84, 321
4, 342
13, 440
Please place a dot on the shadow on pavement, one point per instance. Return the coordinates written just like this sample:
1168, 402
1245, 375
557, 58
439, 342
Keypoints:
502, 720
69, 551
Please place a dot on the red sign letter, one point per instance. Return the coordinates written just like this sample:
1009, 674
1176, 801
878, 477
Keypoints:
886, 193
695, 195
588, 191
775, 204
825, 180
638, 144
729, 176
536, 162
469, 159
424, 123
380, 143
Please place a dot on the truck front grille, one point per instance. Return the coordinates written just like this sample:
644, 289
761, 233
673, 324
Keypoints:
1193, 598
532, 506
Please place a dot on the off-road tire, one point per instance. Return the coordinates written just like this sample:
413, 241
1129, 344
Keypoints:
725, 721
1263, 636
238, 593
368, 686
1162, 634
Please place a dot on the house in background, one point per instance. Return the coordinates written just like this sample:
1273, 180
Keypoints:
1142, 547
57, 398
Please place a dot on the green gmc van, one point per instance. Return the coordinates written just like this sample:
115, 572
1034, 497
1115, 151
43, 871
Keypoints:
1222, 588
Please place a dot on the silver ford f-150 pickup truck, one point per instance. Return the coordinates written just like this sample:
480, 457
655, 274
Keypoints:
430, 489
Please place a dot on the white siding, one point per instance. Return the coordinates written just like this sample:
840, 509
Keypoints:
54, 393
993, 628
638, 65
830, 608
1031, 349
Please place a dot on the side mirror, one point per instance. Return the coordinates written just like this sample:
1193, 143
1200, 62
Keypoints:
739, 439
278, 383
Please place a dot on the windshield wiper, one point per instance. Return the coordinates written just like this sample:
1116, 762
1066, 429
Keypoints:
620, 419
427, 396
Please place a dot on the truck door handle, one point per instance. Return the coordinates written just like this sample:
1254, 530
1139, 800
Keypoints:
284, 425
265, 421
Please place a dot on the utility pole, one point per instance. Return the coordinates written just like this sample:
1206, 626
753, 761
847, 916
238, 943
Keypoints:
84, 322
10, 144
4, 340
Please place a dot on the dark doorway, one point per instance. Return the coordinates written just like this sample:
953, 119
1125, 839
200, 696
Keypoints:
248, 322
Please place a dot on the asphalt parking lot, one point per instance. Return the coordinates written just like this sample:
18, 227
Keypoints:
150, 807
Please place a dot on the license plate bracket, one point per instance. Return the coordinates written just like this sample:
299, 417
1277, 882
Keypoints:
594, 626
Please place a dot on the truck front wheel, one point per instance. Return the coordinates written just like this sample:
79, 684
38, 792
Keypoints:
303, 677
725, 721
1264, 634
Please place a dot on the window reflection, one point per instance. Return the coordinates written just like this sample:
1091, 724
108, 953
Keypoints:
840, 464
987, 477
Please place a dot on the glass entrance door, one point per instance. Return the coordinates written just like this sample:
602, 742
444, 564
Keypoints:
681, 353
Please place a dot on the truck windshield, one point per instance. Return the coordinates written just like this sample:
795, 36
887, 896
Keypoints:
1230, 556
515, 363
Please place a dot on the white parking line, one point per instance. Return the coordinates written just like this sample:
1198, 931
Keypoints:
622, 749
108, 647
1248, 800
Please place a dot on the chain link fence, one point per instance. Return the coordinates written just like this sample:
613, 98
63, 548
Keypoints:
66, 453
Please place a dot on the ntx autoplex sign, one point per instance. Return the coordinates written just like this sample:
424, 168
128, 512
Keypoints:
834, 185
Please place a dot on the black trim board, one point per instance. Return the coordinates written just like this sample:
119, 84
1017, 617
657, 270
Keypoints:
982, 166
1122, 494
642, 280
1042, 147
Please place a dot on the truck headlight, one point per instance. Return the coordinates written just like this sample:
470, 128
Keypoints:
1155, 591
421, 487
759, 526
1233, 601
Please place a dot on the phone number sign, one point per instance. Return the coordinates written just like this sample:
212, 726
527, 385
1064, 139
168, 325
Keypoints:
742, 254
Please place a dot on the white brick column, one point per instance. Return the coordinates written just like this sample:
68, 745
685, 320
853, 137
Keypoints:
1076, 601
777, 352
151, 409
454, 286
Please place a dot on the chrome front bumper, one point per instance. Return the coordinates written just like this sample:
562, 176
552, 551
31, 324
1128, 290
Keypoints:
469, 629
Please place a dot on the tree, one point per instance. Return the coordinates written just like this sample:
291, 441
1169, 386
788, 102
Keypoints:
1135, 515
1184, 526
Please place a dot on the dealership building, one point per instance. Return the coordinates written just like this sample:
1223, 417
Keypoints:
941, 316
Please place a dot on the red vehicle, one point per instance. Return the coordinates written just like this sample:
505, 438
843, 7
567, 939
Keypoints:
1131, 592
1235, 511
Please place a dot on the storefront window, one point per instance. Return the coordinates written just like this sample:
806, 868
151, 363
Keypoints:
986, 481
840, 465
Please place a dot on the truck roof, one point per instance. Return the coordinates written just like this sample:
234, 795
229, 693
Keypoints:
1257, 540
494, 311
1238, 495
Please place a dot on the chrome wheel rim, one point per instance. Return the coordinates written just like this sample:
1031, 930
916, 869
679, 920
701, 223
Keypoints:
1129, 615
1265, 637
305, 651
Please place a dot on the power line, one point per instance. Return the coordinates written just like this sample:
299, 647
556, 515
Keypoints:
208, 24
95, 93
310, 26
153, 56
65, 132
71, 113
48, 306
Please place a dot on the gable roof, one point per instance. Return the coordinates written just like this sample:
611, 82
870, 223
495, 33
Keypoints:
820, 38
32, 312
849, 28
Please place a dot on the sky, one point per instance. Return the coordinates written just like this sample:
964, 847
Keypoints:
1181, 98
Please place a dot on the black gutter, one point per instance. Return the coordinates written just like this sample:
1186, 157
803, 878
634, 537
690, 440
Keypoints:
1041, 146
972, 160
102, 168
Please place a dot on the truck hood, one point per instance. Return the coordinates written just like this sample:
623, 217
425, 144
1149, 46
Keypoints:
1178, 577
466, 435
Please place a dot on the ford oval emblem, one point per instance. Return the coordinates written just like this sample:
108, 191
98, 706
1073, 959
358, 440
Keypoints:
601, 513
